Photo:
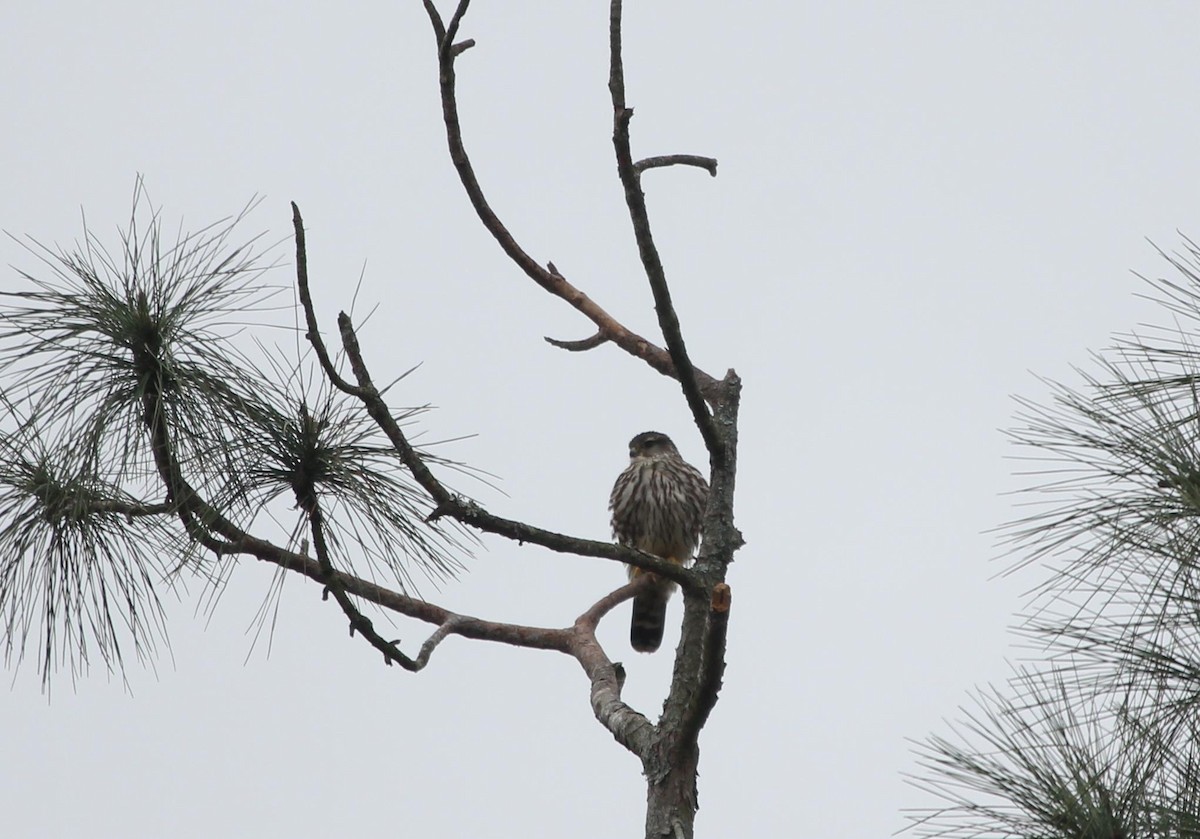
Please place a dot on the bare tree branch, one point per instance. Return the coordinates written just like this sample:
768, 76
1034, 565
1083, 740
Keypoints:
629, 727
436, 638
310, 316
707, 163
446, 48
359, 623
551, 281
648, 251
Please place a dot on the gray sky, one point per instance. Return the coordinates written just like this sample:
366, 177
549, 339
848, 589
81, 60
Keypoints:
918, 204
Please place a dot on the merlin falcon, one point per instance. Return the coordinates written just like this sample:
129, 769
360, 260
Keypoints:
657, 506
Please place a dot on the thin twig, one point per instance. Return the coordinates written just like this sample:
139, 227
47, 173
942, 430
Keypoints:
359, 623
668, 320
659, 161
129, 510
310, 315
578, 346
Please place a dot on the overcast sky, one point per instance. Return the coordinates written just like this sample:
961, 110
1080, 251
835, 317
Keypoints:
919, 206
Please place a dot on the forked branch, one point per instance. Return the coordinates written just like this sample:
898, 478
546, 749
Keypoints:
552, 281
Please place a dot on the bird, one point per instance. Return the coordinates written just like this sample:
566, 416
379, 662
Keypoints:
657, 506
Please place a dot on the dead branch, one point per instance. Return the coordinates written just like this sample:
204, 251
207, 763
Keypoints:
359, 623
436, 638
629, 727
707, 163
578, 346
552, 281
310, 314
635, 200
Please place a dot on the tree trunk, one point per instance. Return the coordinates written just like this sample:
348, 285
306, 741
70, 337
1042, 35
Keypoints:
671, 799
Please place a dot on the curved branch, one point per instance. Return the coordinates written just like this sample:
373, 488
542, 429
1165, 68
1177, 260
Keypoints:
707, 163
436, 638
551, 281
668, 320
589, 620
628, 727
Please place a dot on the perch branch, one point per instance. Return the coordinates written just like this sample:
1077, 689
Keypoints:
659, 161
668, 320
470, 513
629, 727
550, 280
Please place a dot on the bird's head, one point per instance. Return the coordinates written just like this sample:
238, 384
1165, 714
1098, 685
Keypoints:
650, 445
